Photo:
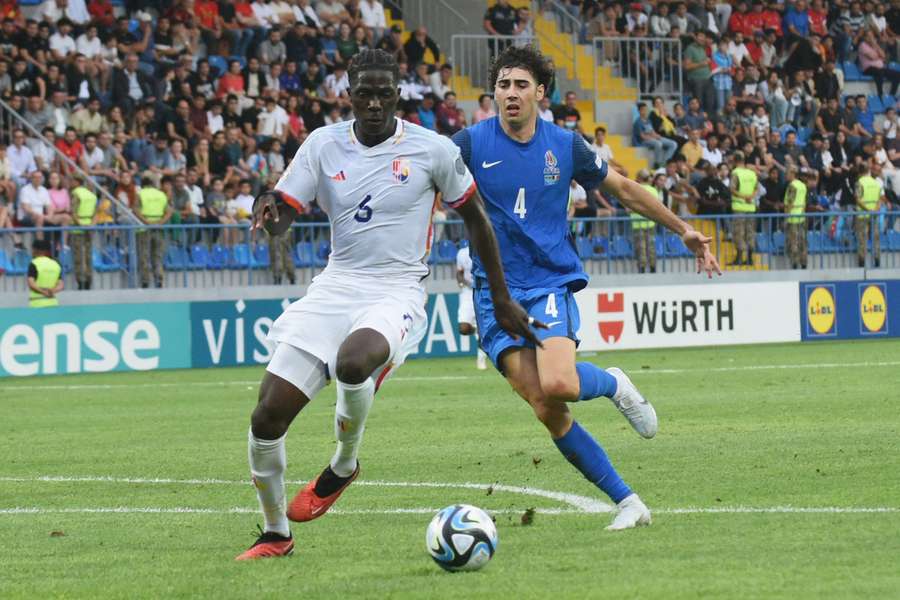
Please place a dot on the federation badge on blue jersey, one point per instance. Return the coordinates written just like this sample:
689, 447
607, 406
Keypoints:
551, 170
400, 168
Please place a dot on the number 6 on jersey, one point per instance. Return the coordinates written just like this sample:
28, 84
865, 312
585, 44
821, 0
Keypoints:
519, 209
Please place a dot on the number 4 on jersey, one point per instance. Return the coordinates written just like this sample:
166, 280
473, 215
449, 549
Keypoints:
519, 209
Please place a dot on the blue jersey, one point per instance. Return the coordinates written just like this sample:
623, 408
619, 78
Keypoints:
526, 193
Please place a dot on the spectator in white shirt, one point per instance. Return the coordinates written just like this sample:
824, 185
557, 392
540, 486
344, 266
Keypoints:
440, 81
21, 159
602, 149
337, 85
712, 154
332, 11
89, 44
44, 152
738, 50
53, 11
61, 43
214, 117
272, 121
544, 110
264, 14
303, 12
33, 202
372, 12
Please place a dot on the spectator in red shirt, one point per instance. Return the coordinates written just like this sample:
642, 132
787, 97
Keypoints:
755, 19
772, 20
231, 82
739, 21
754, 47
450, 118
210, 23
71, 146
101, 12
818, 18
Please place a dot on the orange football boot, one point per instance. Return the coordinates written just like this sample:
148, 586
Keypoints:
307, 505
269, 545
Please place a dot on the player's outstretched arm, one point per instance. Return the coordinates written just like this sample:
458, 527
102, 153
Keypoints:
636, 198
272, 213
510, 315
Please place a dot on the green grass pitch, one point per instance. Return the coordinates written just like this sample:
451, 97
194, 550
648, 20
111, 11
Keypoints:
775, 473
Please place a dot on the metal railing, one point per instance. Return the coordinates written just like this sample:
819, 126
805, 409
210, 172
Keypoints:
652, 65
472, 54
440, 17
11, 120
199, 256
566, 22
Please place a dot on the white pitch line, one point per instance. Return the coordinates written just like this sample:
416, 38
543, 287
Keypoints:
577, 502
632, 372
815, 510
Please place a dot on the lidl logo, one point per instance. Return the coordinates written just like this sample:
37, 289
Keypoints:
821, 310
611, 306
872, 308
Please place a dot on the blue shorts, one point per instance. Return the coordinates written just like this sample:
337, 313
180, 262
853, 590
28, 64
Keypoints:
555, 307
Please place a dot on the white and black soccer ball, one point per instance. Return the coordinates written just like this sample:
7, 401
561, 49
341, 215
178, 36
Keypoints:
461, 538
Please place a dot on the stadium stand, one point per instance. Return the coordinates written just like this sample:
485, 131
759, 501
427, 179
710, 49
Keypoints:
208, 101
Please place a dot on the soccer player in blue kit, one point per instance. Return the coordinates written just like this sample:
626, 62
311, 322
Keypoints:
523, 167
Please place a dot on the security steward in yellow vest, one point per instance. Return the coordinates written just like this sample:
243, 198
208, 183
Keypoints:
153, 208
84, 209
44, 277
869, 198
643, 230
794, 206
744, 184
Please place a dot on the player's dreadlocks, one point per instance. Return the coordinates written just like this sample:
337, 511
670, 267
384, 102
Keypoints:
372, 60
528, 58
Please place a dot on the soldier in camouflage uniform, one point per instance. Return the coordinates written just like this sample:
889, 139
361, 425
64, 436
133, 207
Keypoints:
795, 196
644, 230
281, 255
869, 198
153, 208
84, 209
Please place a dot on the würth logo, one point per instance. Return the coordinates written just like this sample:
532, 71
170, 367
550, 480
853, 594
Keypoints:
611, 305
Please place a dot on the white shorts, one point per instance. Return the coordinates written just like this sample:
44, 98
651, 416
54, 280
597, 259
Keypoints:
336, 305
466, 312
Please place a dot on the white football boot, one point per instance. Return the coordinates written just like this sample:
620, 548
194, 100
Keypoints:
630, 403
632, 512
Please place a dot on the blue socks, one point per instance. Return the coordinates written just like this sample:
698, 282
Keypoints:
595, 382
586, 455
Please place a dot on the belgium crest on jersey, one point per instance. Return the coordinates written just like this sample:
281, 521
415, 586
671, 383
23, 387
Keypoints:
551, 171
400, 168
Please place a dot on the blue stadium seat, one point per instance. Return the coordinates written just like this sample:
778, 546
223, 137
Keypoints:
304, 255
778, 242
218, 64
260, 257
660, 242
830, 244
585, 248
875, 104
176, 258
763, 243
19, 263
852, 73
786, 129
66, 260
323, 250
803, 135
892, 240
30, 3
814, 242
240, 259
4, 262
199, 258
599, 247
675, 247
106, 260
621, 247
446, 252
219, 258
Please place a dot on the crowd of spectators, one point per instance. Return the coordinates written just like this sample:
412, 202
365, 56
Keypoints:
205, 100
766, 79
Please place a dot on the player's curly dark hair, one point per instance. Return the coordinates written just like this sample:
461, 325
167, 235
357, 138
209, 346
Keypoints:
528, 58
370, 60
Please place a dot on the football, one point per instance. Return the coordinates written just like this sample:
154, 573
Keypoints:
461, 538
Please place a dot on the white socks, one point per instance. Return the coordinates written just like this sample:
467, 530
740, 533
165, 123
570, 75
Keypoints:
267, 464
353, 404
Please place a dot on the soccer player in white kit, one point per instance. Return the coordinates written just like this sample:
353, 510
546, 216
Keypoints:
376, 178
465, 314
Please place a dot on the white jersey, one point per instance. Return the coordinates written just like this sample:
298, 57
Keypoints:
464, 264
379, 200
